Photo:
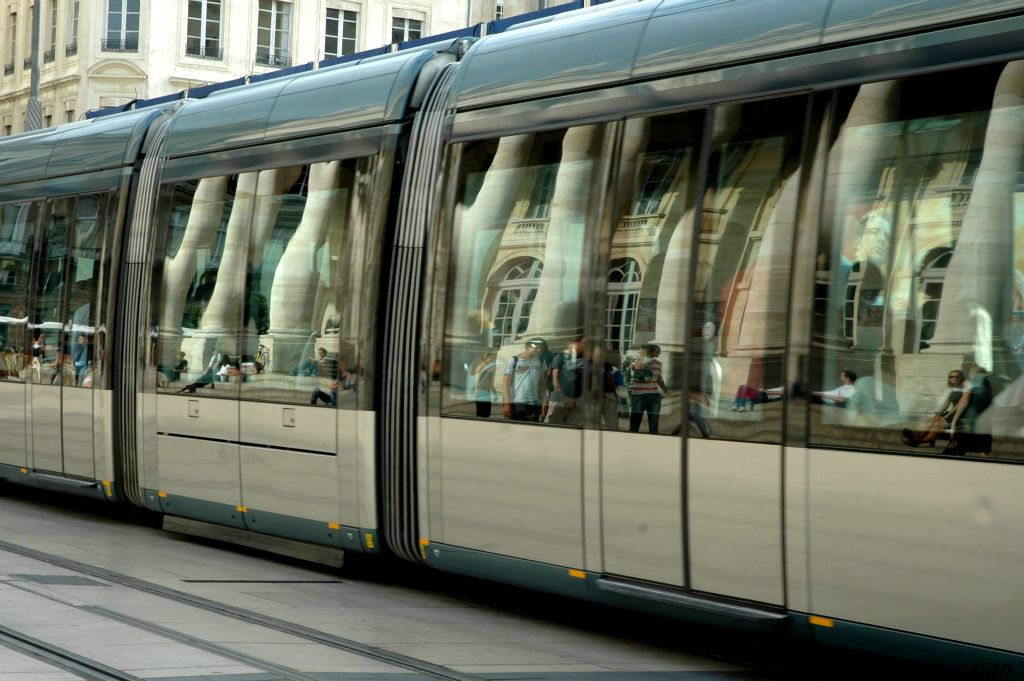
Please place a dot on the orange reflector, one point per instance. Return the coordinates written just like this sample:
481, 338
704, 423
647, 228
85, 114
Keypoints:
369, 540
578, 574
333, 526
24, 470
241, 509
162, 495
821, 621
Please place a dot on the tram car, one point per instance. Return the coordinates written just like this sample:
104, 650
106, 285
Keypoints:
711, 308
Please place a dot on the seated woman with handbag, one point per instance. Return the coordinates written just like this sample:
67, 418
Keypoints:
939, 422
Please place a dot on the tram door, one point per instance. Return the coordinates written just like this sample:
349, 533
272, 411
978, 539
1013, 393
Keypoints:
60, 377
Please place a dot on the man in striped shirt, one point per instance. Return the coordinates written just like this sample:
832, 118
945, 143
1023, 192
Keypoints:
645, 389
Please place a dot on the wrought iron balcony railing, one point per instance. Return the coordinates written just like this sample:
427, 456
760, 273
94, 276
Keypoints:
130, 45
204, 52
267, 59
71, 50
8, 69
49, 56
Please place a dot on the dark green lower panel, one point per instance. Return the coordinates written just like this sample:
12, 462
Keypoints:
199, 509
53, 482
946, 658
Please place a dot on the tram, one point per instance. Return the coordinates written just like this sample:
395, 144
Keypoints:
729, 253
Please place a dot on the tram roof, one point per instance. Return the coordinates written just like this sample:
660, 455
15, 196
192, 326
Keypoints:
372, 92
74, 148
617, 43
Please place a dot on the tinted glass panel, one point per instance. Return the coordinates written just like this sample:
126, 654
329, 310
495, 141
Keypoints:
514, 325
17, 238
51, 361
921, 267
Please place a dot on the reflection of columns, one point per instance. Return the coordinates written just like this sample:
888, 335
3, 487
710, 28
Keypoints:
269, 196
223, 313
203, 221
979, 280
763, 325
557, 311
297, 279
634, 146
478, 229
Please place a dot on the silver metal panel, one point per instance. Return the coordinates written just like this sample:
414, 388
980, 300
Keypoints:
103, 433
642, 506
46, 438
593, 558
795, 512
12, 423
434, 499
230, 119
734, 512
684, 34
103, 143
513, 489
77, 428
357, 466
918, 544
313, 428
148, 462
577, 52
291, 483
24, 157
199, 469
852, 19
215, 418
373, 93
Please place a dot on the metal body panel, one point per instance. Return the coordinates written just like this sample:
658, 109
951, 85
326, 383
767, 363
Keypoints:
357, 467
513, 489
433, 503
233, 118
853, 19
103, 433
374, 92
289, 425
919, 544
46, 442
213, 418
795, 514
734, 515
577, 52
593, 558
12, 423
199, 469
818, 70
684, 35
77, 429
148, 463
290, 483
642, 506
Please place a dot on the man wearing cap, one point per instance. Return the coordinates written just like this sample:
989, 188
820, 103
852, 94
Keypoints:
525, 384
644, 393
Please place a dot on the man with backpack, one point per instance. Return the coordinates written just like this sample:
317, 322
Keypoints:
567, 384
525, 384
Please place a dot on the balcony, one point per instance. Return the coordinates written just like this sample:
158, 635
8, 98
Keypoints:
130, 45
49, 56
8, 69
278, 60
204, 52
71, 50
27, 64
525, 231
639, 227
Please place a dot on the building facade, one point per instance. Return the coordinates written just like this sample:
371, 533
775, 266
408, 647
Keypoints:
100, 53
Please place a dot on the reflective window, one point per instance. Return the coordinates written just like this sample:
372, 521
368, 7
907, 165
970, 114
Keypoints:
201, 275
84, 340
51, 359
742, 286
122, 25
641, 360
921, 267
203, 35
297, 347
17, 237
513, 340
340, 32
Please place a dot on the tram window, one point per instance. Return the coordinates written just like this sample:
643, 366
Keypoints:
87, 268
641, 381
51, 360
308, 250
921, 251
513, 343
17, 238
742, 284
200, 274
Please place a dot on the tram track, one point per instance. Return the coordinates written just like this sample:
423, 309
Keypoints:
241, 614
61, 658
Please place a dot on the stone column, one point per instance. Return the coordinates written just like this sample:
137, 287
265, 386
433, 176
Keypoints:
179, 269
297, 283
557, 311
978, 288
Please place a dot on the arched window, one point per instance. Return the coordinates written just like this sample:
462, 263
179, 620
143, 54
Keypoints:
514, 302
623, 295
931, 278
